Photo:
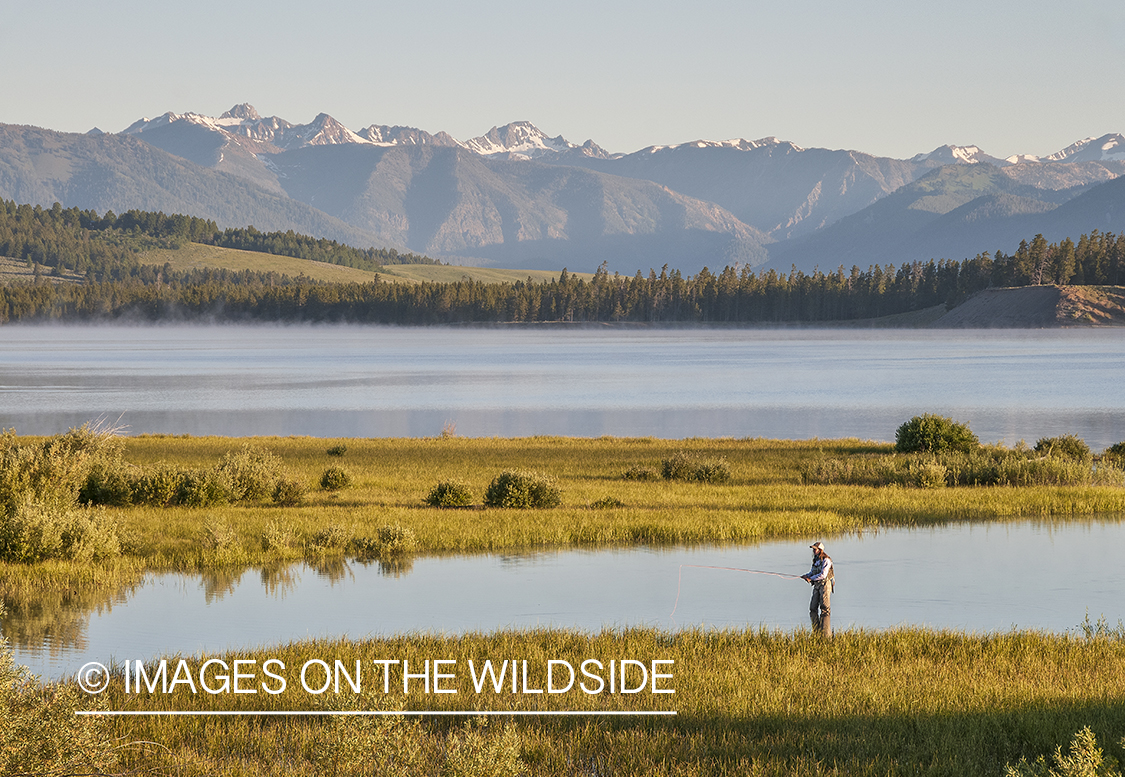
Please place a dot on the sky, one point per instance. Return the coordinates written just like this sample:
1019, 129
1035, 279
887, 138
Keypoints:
881, 76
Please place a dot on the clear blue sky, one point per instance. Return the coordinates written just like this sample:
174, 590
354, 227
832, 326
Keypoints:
884, 76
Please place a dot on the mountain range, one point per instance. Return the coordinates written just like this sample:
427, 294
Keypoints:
517, 197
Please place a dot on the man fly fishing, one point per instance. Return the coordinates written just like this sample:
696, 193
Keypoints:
822, 578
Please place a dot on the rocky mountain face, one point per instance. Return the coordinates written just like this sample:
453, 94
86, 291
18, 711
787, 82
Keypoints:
519, 197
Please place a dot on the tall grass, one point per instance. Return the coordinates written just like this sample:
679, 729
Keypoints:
907, 701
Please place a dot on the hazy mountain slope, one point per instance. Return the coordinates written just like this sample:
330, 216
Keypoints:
449, 201
1100, 207
953, 212
774, 186
114, 172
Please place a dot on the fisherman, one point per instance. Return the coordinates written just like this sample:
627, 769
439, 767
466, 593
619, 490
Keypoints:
821, 577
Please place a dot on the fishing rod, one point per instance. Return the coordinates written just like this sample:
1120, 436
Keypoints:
680, 578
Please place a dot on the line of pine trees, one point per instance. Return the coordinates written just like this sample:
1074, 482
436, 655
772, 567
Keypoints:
69, 240
117, 286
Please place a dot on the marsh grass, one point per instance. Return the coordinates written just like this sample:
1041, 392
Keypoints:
906, 701
770, 494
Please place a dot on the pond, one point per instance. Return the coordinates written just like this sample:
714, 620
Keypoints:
977, 577
343, 381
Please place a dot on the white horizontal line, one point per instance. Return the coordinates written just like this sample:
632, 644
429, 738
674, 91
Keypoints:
369, 713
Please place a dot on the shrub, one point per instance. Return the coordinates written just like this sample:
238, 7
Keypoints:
335, 478
1068, 446
1086, 759
687, 466
34, 532
1115, 453
607, 503
276, 536
288, 493
204, 488
641, 473
520, 489
337, 450
331, 537
107, 483
934, 434
160, 485
450, 493
929, 474
388, 542
253, 473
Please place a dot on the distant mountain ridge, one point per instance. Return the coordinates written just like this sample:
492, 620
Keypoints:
520, 197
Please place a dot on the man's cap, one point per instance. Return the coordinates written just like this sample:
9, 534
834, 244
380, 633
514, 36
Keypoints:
817, 546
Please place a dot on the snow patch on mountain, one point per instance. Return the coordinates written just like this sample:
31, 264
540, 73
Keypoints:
958, 155
1107, 148
742, 144
519, 139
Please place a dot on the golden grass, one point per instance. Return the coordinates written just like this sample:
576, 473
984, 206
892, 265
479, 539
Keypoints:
392, 477
195, 256
906, 701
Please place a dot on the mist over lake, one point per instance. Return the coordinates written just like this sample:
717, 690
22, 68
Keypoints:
331, 381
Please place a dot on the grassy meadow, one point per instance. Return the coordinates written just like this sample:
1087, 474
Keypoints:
199, 256
764, 498
905, 701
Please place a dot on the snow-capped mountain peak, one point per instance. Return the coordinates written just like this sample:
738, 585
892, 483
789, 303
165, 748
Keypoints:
741, 144
957, 155
321, 131
520, 139
1107, 148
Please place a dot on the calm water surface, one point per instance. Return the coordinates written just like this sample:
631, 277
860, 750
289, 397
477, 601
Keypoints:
980, 577
384, 381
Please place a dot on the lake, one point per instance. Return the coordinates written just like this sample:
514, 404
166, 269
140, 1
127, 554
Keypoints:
342, 381
977, 577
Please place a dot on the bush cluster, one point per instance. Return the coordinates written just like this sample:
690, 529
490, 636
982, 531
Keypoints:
939, 457
335, 478
689, 466
640, 472
40, 517
246, 475
450, 493
1068, 446
934, 434
520, 489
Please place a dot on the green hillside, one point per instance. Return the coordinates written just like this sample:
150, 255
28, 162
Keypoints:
194, 256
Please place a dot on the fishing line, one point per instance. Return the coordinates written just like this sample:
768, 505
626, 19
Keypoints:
680, 578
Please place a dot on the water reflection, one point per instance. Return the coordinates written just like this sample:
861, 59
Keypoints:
954, 576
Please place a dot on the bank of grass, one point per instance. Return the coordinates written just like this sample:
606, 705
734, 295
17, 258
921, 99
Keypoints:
749, 702
390, 480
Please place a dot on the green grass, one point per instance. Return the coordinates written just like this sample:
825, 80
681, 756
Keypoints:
906, 701
196, 255
392, 478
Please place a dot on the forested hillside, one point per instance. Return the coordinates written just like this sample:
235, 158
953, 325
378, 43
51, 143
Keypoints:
103, 249
107, 246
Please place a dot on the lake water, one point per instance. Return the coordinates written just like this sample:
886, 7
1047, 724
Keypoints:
330, 381
979, 577
338, 381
